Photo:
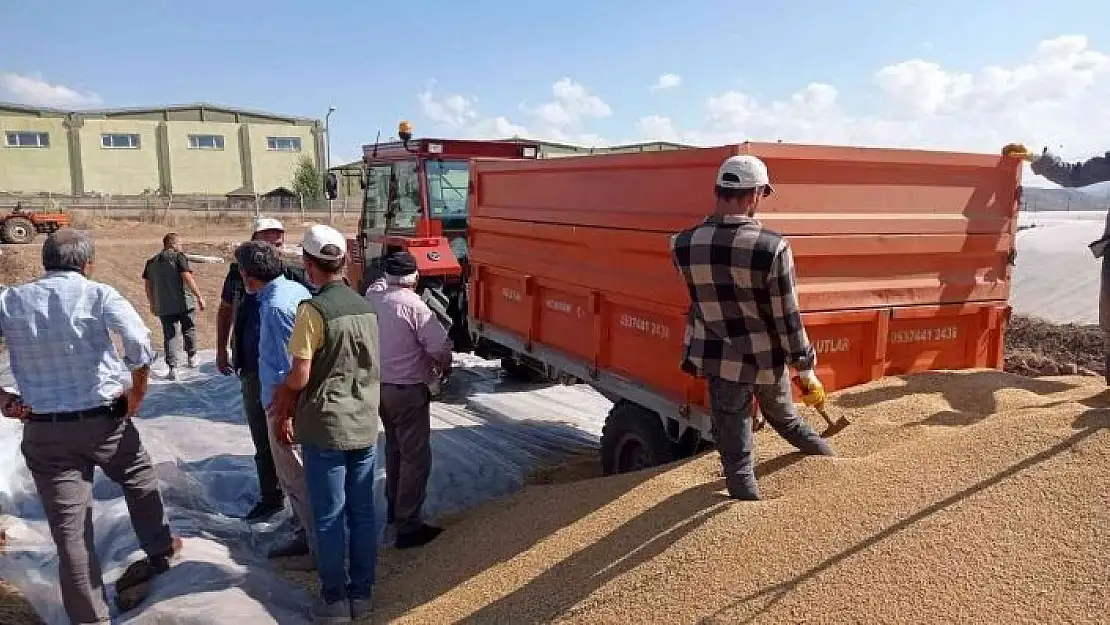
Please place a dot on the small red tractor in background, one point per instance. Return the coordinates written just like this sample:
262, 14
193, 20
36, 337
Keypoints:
20, 226
416, 197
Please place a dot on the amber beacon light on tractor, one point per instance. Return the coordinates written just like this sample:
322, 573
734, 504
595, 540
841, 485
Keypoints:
416, 197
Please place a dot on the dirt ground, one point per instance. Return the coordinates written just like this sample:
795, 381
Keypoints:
1037, 347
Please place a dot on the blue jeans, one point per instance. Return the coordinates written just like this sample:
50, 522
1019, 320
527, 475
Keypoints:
341, 492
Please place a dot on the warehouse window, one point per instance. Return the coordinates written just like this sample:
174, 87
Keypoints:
206, 142
283, 144
27, 139
120, 141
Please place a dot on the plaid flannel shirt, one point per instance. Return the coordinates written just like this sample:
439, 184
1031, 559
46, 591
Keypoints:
744, 323
58, 332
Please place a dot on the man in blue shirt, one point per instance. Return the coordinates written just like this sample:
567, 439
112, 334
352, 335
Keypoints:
262, 271
77, 408
237, 327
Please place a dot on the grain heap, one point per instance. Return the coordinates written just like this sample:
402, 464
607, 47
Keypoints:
959, 497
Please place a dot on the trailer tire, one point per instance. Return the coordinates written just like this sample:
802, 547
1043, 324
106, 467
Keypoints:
633, 438
520, 372
18, 230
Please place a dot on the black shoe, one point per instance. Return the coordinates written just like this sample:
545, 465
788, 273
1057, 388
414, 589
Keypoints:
265, 508
418, 537
299, 547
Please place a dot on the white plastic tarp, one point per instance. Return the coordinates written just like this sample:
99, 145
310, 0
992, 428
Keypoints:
486, 438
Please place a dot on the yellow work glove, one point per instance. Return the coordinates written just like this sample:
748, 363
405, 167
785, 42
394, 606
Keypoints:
813, 392
1018, 150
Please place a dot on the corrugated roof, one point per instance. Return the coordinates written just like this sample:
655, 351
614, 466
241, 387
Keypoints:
208, 106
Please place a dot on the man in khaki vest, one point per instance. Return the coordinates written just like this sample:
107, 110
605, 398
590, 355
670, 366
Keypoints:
334, 386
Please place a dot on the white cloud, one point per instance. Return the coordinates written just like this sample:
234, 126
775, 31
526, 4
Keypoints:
453, 111
667, 81
572, 105
658, 127
34, 91
560, 119
1056, 97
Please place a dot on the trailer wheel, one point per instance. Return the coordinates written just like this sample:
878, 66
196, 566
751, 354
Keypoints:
633, 438
18, 230
520, 372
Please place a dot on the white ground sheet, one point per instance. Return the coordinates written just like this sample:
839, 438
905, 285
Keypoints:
487, 436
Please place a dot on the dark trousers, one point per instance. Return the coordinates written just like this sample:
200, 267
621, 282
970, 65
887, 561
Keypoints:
268, 485
169, 334
405, 411
731, 412
61, 457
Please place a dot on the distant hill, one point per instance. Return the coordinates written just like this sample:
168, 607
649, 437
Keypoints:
1036, 199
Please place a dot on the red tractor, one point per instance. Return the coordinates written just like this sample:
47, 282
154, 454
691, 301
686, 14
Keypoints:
20, 226
416, 196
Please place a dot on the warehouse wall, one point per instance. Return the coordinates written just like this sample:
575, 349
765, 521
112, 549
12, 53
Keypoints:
275, 168
203, 170
34, 169
119, 170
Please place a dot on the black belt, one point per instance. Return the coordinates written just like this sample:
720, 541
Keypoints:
116, 409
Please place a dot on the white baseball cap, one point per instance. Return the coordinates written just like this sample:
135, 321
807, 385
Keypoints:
266, 223
319, 236
744, 172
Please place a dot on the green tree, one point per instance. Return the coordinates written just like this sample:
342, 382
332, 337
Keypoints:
307, 181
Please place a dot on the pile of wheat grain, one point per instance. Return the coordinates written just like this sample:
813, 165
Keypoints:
959, 497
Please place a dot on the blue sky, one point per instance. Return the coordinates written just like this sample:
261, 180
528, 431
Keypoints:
735, 60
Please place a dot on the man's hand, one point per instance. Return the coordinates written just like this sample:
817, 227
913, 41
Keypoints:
140, 378
13, 407
200, 304
813, 392
284, 431
1019, 151
280, 413
223, 363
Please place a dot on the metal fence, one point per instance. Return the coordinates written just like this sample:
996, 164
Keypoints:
200, 207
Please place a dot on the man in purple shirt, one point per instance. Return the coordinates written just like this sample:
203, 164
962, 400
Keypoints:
415, 350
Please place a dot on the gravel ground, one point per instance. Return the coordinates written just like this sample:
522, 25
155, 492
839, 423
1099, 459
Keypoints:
976, 497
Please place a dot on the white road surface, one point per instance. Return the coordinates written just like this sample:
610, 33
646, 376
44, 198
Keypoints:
1056, 277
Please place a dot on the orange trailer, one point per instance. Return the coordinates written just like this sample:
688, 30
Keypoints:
903, 261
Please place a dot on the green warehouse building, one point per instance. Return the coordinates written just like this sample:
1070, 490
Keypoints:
187, 150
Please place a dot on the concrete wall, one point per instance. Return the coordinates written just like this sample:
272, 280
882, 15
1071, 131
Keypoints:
30, 169
204, 171
117, 170
274, 168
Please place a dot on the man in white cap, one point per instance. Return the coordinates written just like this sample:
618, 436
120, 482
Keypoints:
329, 404
744, 327
238, 323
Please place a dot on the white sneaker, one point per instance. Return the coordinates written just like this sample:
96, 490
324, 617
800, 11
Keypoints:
192, 361
172, 375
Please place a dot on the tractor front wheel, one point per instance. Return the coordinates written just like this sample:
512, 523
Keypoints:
18, 230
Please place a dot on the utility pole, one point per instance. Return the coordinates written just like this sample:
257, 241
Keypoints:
327, 163
327, 140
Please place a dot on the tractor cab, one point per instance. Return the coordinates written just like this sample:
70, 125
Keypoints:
416, 197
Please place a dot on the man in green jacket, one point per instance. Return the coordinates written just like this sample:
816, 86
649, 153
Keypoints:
1077, 174
329, 404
